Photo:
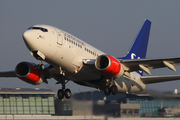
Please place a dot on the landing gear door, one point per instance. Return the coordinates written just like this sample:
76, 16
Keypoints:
59, 38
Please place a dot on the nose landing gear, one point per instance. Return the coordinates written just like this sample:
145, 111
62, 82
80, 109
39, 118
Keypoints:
67, 93
61, 93
64, 92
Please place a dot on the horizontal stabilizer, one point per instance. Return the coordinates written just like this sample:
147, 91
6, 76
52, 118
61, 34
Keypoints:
157, 79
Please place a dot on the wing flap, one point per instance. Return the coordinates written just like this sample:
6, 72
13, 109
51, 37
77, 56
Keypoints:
133, 65
157, 79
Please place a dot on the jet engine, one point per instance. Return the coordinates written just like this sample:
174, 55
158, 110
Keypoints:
29, 73
109, 66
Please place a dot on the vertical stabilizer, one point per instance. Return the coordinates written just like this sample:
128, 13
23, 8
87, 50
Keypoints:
139, 47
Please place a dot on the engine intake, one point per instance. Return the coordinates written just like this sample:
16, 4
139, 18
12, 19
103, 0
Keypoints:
29, 73
109, 66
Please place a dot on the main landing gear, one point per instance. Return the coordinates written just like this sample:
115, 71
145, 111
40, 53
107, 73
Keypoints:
61, 93
112, 89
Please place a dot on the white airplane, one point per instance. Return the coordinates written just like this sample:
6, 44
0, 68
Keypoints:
70, 58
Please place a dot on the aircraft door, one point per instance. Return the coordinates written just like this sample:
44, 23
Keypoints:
59, 38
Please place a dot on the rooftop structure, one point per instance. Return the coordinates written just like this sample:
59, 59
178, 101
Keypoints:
26, 101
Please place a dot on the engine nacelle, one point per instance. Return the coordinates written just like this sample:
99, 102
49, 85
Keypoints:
29, 73
109, 66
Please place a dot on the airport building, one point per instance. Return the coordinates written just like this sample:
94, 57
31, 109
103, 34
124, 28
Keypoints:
22, 101
133, 105
156, 106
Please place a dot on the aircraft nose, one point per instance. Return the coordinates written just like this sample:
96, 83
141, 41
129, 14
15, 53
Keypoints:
26, 36
29, 37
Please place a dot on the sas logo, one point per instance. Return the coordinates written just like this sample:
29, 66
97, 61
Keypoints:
133, 56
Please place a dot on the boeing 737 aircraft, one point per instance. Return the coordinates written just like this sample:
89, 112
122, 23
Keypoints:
69, 58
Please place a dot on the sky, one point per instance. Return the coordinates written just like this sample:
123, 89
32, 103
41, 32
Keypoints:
110, 26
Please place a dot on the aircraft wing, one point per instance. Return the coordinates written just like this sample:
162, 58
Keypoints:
8, 74
148, 64
156, 79
11, 73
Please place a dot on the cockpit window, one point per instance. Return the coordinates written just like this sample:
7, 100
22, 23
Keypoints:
29, 28
39, 28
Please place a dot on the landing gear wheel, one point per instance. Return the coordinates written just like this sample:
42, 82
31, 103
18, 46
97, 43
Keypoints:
67, 93
114, 89
107, 90
60, 94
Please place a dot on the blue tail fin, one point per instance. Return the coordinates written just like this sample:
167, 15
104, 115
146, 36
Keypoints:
139, 48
